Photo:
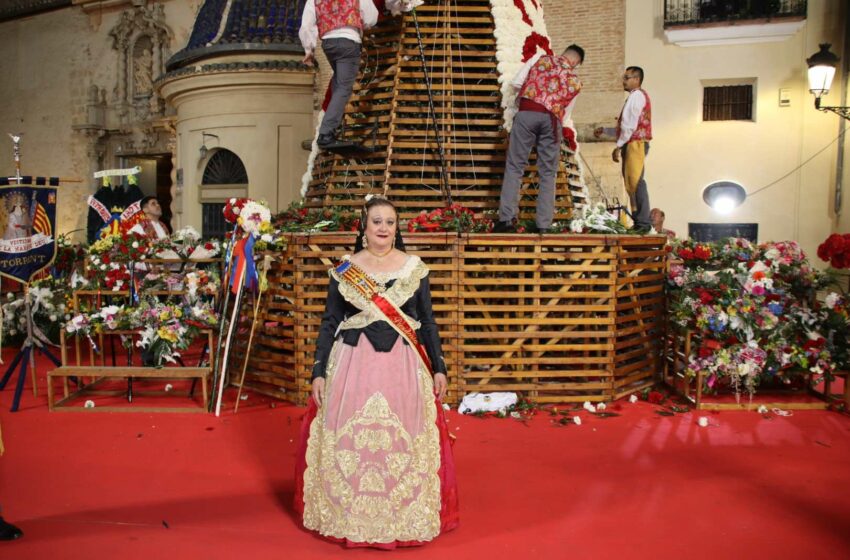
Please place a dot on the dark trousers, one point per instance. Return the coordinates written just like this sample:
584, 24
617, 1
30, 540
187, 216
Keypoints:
344, 58
531, 129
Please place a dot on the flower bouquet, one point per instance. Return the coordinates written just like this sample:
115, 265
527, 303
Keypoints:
595, 218
451, 218
753, 311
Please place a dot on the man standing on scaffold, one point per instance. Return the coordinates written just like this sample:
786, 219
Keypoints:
340, 25
548, 87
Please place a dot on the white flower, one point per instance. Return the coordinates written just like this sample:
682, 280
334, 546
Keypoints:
516, 415
633, 399
601, 406
267, 237
103, 267
168, 387
369, 197
577, 420
762, 409
52, 318
589, 407
89, 404
832, 299
135, 245
703, 421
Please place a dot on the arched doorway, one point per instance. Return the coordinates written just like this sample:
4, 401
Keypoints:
224, 177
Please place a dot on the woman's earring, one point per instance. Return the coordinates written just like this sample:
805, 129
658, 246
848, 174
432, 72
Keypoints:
393, 245
365, 241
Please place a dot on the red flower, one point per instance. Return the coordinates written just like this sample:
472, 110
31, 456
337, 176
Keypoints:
686, 253
702, 252
655, 397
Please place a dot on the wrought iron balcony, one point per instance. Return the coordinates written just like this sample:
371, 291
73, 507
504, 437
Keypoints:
697, 12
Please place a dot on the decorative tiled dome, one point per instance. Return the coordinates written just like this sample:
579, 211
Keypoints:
228, 26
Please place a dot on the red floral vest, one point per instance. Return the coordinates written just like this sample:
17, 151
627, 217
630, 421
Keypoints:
334, 14
643, 130
551, 83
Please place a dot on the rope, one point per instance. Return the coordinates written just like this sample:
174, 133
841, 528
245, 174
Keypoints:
440, 151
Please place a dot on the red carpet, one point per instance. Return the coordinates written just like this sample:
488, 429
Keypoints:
636, 486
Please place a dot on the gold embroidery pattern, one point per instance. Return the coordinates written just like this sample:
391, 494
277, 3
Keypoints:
372, 481
373, 440
347, 462
397, 494
397, 463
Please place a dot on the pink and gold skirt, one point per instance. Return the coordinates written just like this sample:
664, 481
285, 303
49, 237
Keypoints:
374, 465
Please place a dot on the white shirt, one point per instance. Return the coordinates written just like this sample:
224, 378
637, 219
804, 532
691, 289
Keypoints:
521, 76
631, 114
158, 228
309, 32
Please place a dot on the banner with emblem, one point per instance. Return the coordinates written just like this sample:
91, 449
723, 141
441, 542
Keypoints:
27, 227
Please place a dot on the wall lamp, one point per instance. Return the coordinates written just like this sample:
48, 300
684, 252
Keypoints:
724, 196
204, 149
822, 66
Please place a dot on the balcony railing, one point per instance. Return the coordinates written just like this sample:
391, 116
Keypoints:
693, 12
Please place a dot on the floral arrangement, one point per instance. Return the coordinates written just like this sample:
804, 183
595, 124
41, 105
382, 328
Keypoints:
451, 218
754, 310
49, 301
595, 218
836, 250
197, 283
186, 244
69, 257
333, 218
165, 328
252, 216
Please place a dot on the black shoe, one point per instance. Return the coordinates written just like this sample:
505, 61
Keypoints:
503, 227
325, 140
9, 532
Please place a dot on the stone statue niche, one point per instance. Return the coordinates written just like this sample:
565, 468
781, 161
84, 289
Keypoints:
143, 67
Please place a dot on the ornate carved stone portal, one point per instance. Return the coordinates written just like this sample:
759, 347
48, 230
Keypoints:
133, 120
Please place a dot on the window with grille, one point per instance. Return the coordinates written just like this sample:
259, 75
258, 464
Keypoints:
224, 177
727, 103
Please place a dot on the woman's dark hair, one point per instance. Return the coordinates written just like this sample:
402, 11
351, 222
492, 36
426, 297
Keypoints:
372, 203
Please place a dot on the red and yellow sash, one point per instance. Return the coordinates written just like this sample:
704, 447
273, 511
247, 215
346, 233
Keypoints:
368, 288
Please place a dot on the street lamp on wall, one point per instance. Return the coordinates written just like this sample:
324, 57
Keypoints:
821, 72
204, 150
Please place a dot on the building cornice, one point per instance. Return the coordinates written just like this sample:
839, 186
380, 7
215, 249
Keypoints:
14, 9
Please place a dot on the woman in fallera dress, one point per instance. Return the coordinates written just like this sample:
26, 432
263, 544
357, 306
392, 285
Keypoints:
374, 466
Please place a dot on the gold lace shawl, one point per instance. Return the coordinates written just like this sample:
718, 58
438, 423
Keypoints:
407, 281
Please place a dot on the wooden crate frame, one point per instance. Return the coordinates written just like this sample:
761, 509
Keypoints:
640, 304
514, 290
559, 318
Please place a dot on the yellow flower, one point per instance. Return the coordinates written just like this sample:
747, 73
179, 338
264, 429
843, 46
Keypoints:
166, 334
163, 316
178, 313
